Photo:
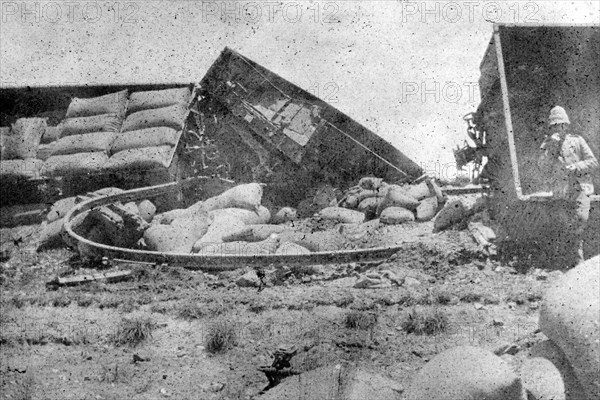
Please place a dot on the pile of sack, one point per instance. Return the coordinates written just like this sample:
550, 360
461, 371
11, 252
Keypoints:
393, 204
564, 367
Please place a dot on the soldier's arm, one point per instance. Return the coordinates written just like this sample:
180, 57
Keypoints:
588, 160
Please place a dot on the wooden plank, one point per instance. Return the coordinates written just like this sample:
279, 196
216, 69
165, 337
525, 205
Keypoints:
112, 277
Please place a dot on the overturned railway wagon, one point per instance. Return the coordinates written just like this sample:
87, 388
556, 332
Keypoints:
525, 72
240, 122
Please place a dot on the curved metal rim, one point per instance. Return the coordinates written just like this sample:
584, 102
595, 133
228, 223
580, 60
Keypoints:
201, 261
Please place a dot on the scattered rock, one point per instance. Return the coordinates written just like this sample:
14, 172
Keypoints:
249, 279
363, 385
410, 281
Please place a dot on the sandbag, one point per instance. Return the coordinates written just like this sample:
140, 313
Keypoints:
95, 123
369, 206
22, 169
147, 210
570, 317
241, 248
419, 192
396, 215
149, 137
427, 209
254, 233
172, 116
542, 379
112, 103
285, 214
25, 136
396, 196
247, 196
170, 239
370, 183
465, 373
44, 151
262, 216
61, 207
168, 216
119, 222
51, 134
140, 159
180, 236
342, 215
220, 227
292, 249
452, 213
321, 241
50, 235
7, 144
79, 163
85, 143
139, 101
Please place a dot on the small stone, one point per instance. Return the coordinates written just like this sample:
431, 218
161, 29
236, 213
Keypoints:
249, 279
216, 386
479, 306
409, 281
164, 392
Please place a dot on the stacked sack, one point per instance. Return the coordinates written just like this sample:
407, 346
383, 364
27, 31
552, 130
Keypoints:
394, 204
19, 145
85, 135
151, 129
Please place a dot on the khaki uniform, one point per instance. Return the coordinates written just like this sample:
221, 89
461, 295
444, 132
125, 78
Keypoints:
571, 187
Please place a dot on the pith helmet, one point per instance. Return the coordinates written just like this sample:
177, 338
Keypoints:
558, 115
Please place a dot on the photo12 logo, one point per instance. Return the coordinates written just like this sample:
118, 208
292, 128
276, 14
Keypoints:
460, 11
270, 11
55, 12
450, 92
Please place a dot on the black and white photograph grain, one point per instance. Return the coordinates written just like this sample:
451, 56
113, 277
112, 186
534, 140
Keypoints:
299, 200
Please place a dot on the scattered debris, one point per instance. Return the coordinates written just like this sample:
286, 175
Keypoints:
108, 277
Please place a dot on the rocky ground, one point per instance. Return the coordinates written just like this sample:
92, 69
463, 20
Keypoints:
197, 335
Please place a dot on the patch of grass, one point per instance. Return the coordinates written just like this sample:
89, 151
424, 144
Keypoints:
191, 310
109, 302
129, 306
443, 297
360, 320
160, 308
257, 306
85, 301
221, 337
133, 331
425, 322
63, 300
17, 301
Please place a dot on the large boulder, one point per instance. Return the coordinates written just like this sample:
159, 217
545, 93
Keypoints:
551, 352
542, 379
259, 216
570, 317
465, 373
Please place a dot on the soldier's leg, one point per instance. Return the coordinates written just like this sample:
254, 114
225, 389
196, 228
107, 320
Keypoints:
582, 215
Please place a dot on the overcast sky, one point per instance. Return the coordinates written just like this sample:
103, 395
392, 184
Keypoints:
405, 69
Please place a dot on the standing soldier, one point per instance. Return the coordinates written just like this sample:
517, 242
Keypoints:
566, 162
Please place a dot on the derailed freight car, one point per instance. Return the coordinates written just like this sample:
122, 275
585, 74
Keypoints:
525, 72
